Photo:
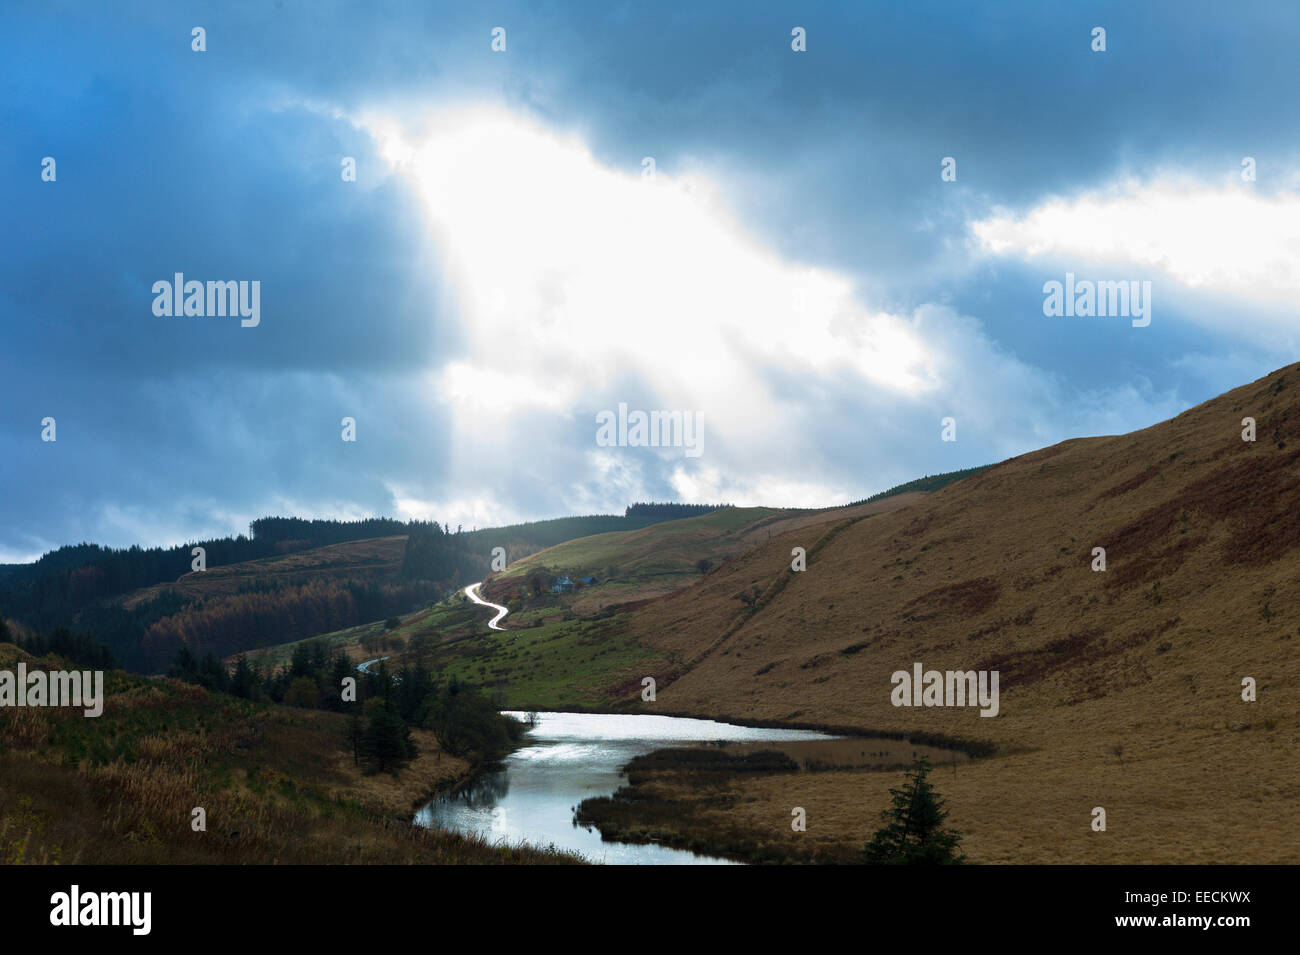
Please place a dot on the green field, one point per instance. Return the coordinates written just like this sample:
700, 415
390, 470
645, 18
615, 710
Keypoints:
564, 664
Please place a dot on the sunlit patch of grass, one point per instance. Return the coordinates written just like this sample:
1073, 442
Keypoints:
559, 664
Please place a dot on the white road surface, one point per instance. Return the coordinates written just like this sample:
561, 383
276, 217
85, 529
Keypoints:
472, 593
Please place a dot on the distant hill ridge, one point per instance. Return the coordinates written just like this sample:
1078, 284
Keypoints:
927, 483
116, 595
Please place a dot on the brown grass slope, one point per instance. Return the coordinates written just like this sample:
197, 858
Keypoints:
1120, 689
278, 785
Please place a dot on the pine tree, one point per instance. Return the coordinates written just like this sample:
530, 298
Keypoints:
212, 675
386, 743
244, 682
341, 669
355, 733
300, 662
913, 834
186, 665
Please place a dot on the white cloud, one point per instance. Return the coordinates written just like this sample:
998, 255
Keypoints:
578, 286
567, 272
477, 510
1226, 244
710, 485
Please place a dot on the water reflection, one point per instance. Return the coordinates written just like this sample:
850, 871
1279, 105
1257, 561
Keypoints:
533, 795
485, 791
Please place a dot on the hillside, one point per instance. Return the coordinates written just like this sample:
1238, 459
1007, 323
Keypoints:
931, 482
291, 578
378, 558
577, 650
1120, 689
641, 564
278, 785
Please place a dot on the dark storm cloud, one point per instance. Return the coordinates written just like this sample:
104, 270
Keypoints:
225, 165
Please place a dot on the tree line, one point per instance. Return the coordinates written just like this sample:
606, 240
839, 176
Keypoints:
54, 589
931, 482
82, 651
318, 532
464, 720
225, 625
435, 553
670, 511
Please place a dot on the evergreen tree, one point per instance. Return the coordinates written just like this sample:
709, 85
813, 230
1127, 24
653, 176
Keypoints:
386, 743
243, 683
341, 669
355, 733
212, 675
300, 663
319, 655
185, 666
913, 834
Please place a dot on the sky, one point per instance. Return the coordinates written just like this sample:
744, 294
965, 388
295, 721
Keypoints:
472, 243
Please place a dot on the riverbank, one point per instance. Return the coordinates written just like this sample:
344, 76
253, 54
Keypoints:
703, 799
432, 772
532, 796
972, 748
698, 796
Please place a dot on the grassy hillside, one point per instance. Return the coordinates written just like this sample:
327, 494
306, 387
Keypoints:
1120, 689
577, 650
931, 482
381, 558
278, 785
520, 540
562, 664
637, 565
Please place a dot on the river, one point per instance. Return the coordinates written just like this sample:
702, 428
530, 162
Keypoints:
570, 757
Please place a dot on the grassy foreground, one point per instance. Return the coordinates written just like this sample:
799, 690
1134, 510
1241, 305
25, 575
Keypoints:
277, 785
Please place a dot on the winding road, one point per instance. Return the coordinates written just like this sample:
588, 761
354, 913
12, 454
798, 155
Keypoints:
472, 593
365, 667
